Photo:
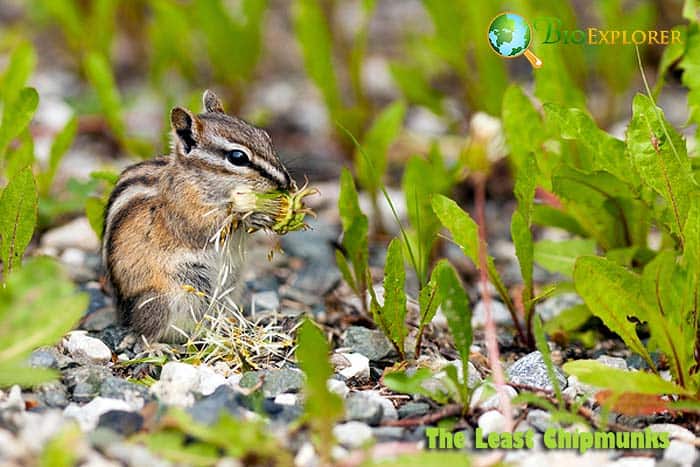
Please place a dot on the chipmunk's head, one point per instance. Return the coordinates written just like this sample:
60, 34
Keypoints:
226, 155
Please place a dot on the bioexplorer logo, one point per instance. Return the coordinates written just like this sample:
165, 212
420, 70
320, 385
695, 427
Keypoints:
510, 36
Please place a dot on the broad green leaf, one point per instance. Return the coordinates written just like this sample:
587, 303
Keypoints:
561, 256
603, 376
415, 87
35, 313
612, 294
21, 156
465, 234
348, 204
59, 146
691, 10
421, 180
606, 152
385, 129
404, 383
543, 214
18, 210
522, 125
24, 376
455, 307
690, 64
568, 320
525, 184
16, 116
394, 309
322, 408
19, 69
522, 239
660, 157
312, 32
99, 74
60, 450
95, 211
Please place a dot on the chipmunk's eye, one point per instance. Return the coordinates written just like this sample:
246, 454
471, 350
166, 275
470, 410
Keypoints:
237, 157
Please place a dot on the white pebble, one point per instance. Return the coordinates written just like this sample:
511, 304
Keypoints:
88, 415
338, 387
77, 234
352, 434
492, 421
177, 381
209, 380
306, 456
680, 452
84, 348
286, 399
358, 369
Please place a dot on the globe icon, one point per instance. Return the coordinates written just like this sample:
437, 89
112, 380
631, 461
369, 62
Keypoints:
509, 36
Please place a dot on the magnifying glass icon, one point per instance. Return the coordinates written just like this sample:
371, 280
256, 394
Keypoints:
510, 35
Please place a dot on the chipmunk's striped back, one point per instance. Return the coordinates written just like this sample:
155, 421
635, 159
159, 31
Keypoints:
164, 215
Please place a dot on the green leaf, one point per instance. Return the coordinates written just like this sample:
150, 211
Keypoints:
35, 313
59, 147
612, 293
401, 381
660, 157
348, 203
423, 459
465, 234
561, 256
522, 239
394, 310
18, 209
455, 307
21, 156
323, 407
95, 211
24, 376
355, 228
522, 125
19, 69
672, 53
312, 32
99, 74
602, 376
371, 165
421, 180
16, 116
605, 152
415, 87
553, 217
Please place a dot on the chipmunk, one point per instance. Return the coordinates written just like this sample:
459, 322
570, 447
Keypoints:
167, 219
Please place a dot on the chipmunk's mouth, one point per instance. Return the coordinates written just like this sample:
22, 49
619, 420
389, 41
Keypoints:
278, 211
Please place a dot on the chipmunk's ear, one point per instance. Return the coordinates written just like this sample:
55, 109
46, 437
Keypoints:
211, 102
186, 127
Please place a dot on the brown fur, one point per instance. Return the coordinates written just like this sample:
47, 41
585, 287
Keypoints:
163, 213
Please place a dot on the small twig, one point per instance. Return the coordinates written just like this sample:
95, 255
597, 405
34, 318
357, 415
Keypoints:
449, 410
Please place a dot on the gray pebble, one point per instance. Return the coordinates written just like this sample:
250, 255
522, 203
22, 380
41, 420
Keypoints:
275, 381
117, 388
208, 409
370, 343
120, 421
363, 408
530, 370
413, 409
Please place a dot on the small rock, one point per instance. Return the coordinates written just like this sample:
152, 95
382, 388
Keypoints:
134, 454
177, 382
388, 433
474, 376
13, 401
286, 399
681, 452
44, 358
134, 394
363, 408
551, 307
675, 431
265, 301
390, 412
77, 234
358, 368
86, 349
224, 399
53, 394
100, 319
209, 380
84, 381
39, 428
628, 462
275, 381
306, 456
530, 370
500, 314
372, 344
88, 415
540, 419
122, 422
485, 396
352, 435
413, 409
492, 422
613, 362
338, 387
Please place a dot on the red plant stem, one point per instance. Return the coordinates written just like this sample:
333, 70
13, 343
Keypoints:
490, 326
